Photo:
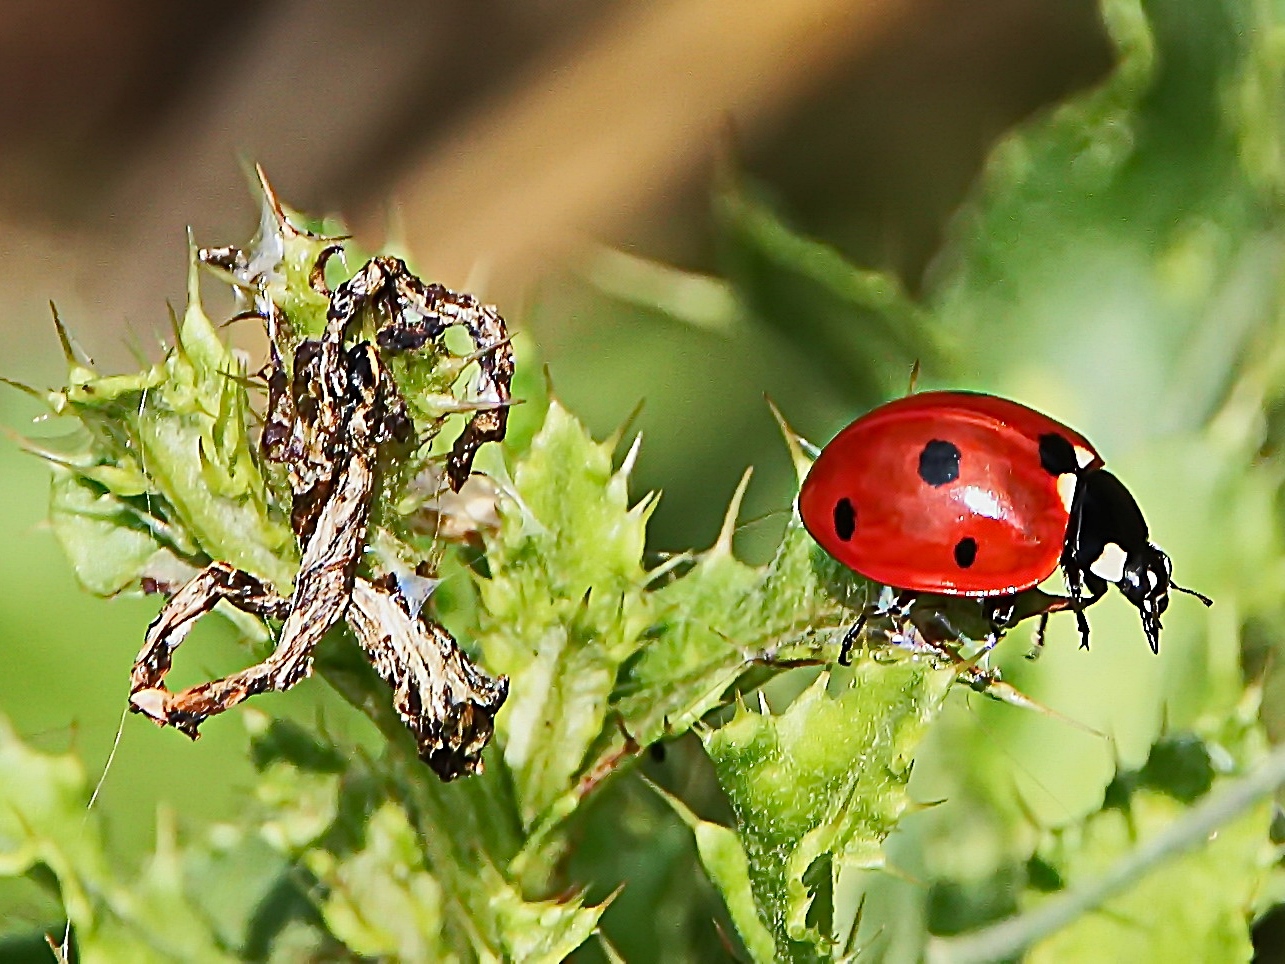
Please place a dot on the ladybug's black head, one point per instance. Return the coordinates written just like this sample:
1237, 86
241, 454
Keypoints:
1145, 581
1108, 542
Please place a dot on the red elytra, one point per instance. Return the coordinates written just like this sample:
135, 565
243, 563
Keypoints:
945, 492
964, 494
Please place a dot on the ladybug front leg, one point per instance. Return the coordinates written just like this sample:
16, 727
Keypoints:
1077, 581
1006, 612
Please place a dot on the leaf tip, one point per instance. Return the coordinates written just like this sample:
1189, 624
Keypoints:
723, 544
631, 457
75, 359
802, 453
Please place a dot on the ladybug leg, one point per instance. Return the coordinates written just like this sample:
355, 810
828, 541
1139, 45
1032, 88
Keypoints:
1082, 624
913, 637
927, 631
1034, 654
1077, 581
1077, 601
909, 633
852, 635
990, 642
1000, 611
1075, 589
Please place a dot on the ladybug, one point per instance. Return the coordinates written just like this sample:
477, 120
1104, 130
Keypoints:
965, 494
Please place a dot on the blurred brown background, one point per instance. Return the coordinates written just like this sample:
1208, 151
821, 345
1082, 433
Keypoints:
499, 134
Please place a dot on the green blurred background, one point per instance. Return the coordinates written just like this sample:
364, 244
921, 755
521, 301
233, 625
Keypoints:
597, 169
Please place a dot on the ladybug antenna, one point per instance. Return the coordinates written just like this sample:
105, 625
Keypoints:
1191, 592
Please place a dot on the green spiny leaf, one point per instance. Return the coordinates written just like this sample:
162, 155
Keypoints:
43, 825
380, 901
108, 548
826, 779
723, 858
564, 606
167, 460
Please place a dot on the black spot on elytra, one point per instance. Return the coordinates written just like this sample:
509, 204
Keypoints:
939, 462
1057, 454
965, 552
845, 519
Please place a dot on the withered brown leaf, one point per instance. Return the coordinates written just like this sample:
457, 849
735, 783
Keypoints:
327, 422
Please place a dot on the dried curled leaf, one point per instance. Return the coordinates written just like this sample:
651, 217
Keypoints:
164, 490
329, 424
442, 697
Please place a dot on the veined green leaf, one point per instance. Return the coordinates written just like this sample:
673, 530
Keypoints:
820, 786
564, 605
107, 546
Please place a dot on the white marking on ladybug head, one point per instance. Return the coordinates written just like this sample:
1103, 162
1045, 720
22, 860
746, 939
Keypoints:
1083, 456
1109, 565
1066, 489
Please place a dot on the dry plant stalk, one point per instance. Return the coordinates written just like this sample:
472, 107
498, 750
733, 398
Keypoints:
328, 422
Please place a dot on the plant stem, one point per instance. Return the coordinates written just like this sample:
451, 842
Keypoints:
1010, 937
